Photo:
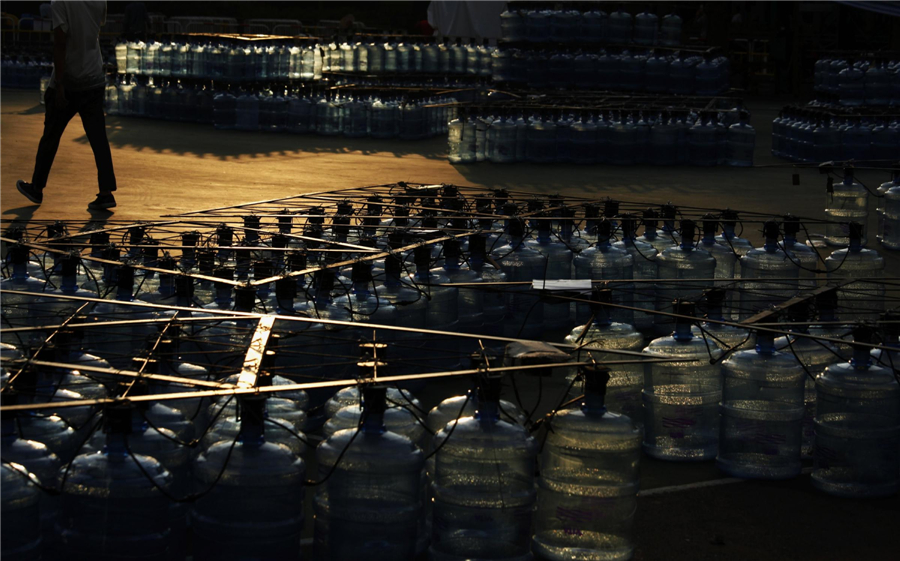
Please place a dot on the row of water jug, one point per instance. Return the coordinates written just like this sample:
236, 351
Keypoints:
623, 138
22, 72
861, 82
758, 413
347, 116
814, 136
623, 70
269, 110
213, 61
594, 26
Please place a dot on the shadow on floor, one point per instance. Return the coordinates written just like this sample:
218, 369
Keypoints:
194, 138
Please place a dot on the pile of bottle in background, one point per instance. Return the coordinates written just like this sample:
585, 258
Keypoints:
635, 70
270, 61
294, 110
594, 26
24, 71
626, 137
237, 466
814, 134
853, 83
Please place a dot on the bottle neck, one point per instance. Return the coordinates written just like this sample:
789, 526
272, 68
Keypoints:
115, 444
765, 343
20, 271
861, 360
594, 404
771, 245
488, 410
251, 432
683, 331
373, 422
855, 245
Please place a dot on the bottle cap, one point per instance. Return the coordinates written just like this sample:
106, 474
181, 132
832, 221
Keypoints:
451, 248
791, 225
125, 277
517, 228
117, 417
610, 208
324, 281
710, 224
596, 379
374, 398
771, 230
422, 256
361, 271
244, 298
286, 288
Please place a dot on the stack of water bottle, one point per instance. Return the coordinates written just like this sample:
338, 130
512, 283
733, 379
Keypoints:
854, 83
267, 60
281, 109
213, 60
811, 134
24, 72
594, 26
242, 468
615, 69
622, 137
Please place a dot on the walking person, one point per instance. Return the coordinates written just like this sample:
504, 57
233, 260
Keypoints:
76, 87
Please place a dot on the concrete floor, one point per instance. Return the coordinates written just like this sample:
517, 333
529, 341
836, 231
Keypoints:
169, 167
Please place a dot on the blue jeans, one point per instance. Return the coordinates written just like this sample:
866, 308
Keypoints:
89, 105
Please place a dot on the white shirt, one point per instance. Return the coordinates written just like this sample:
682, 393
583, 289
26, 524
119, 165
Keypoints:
81, 21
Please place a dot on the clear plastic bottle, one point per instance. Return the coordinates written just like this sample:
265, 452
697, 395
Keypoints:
814, 356
762, 411
521, 263
587, 493
670, 30
125, 489
38, 460
598, 342
254, 509
681, 399
645, 269
857, 299
483, 488
804, 257
602, 261
741, 142
679, 264
120, 343
372, 491
769, 276
557, 266
619, 27
726, 258
845, 202
20, 510
857, 426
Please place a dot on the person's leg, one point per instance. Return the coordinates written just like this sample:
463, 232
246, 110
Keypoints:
94, 122
55, 121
